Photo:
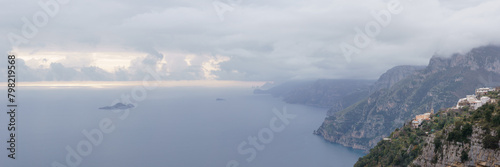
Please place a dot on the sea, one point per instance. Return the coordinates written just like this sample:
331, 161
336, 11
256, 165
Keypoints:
168, 127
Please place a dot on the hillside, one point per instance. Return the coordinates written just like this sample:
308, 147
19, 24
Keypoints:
455, 137
385, 81
322, 92
337, 94
328, 92
439, 85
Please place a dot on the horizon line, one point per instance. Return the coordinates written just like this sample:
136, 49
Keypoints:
161, 83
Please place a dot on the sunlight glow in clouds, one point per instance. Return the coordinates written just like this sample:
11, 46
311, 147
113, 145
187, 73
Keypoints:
213, 65
106, 65
188, 59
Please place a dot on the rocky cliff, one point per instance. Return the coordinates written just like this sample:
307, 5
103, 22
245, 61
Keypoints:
437, 86
385, 81
451, 137
458, 154
394, 75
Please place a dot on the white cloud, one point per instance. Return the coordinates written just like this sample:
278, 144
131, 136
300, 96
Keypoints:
188, 59
212, 65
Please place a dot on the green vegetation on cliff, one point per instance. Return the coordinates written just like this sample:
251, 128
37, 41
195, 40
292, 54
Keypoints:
450, 127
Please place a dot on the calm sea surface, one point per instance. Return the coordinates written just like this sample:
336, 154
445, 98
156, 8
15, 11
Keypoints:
170, 127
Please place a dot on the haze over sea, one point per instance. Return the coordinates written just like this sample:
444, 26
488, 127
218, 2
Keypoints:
172, 127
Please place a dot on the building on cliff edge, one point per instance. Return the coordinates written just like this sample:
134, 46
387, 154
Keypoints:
472, 100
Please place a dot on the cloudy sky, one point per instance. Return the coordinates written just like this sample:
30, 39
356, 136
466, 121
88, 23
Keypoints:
246, 40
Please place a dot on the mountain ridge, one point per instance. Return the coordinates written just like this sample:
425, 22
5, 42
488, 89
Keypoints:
437, 86
336, 94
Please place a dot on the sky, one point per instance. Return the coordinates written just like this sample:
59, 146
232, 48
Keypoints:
241, 40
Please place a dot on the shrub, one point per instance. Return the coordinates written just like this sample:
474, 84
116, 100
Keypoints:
437, 144
453, 136
465, 156
460, 135
487, 114
434, 159
467, 130
490, 142
496, 120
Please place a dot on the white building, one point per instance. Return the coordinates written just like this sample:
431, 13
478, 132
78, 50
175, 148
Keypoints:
483, 91
415, 123
485, 99
472, 101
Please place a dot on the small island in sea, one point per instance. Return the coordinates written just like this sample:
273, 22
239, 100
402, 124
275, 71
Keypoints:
118, 106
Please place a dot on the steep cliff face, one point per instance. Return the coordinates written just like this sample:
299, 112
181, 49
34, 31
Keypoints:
439, 85
385, 81
394, 75
452, 153
450, 137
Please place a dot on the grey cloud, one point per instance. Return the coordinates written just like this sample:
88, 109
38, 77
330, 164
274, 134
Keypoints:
57, 72
266, 40
96, 74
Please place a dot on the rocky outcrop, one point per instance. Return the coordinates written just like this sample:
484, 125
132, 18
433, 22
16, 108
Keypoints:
451, 153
